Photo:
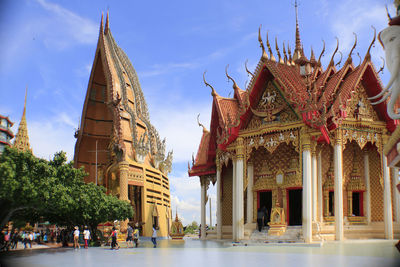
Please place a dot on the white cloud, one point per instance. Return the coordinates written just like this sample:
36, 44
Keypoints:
80, 29
178, 125
185, 196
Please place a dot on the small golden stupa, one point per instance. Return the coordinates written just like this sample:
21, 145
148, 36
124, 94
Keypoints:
176, 231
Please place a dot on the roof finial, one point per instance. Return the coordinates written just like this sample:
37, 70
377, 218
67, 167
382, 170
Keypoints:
247, 70
200, 124
332, 62
264, 54
340, 60
290, 54
271, 55
297, 50
349, 59
368, 55
213, 92
107, 27
235, 87
322, 53
277, 50
285, 58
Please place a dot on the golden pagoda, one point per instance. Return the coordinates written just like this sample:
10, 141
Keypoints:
176, 231
116, 143
21, 138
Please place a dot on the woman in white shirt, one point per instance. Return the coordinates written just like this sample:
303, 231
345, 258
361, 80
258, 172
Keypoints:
86, 236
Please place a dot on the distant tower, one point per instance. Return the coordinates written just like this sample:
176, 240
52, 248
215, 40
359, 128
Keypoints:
22, 139
5, 132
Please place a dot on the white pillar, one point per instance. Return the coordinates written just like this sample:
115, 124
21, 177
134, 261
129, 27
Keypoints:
396, 194
368, 187
234, 201
338, 171
219, 211
239, 199
320, 199
387, 200
307, 194
250, 173
314, 185
203, 207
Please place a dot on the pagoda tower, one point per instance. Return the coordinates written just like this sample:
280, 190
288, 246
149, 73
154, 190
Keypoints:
22, 139
116, 143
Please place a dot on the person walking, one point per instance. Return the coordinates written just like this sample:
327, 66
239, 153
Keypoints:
30, 239
129, 236
86, 236
154, 236
76, 238
114, 244
14, 240
136, 235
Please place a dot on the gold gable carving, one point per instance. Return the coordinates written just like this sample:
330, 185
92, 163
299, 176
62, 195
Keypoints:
359, 107
271, 108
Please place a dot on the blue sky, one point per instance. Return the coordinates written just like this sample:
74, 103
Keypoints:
49, 46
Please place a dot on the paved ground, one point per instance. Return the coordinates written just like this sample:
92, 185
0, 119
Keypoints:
194, 253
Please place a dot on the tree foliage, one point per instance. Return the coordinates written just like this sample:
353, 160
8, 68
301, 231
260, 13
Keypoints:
33, 188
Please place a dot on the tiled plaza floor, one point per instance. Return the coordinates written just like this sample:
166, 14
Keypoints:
193, 253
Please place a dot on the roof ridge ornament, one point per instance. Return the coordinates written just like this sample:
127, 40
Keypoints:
271, 55
285, 58
321, 55
213, 92
340, 60
277, 51
349, 58
200, 124
332, 62
247, 70
235, 86
264, 54
368, 55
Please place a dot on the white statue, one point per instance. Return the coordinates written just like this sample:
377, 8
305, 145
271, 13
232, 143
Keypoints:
390, 40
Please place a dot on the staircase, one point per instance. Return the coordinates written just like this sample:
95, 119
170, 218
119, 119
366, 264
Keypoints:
293, 234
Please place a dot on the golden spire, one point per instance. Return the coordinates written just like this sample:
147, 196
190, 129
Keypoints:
22, 139
107, 27
297, 50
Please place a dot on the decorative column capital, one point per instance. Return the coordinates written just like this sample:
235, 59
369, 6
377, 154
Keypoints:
239, 148
338, 137
305, 140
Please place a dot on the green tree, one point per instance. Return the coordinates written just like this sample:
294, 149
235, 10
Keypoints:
55, 191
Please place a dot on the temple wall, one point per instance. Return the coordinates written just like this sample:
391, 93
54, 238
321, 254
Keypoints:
376, 186
227, 195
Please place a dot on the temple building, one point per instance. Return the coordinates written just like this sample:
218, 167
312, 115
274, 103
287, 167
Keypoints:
116, 143
304, 142
5, 132
21, 141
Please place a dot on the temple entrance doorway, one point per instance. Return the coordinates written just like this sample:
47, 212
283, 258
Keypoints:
294, 214
265, 201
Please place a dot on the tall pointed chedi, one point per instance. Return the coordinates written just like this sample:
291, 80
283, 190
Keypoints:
116, 143
22, 139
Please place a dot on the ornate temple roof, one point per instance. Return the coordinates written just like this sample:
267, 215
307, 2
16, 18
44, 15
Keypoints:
21, 141
310, 91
